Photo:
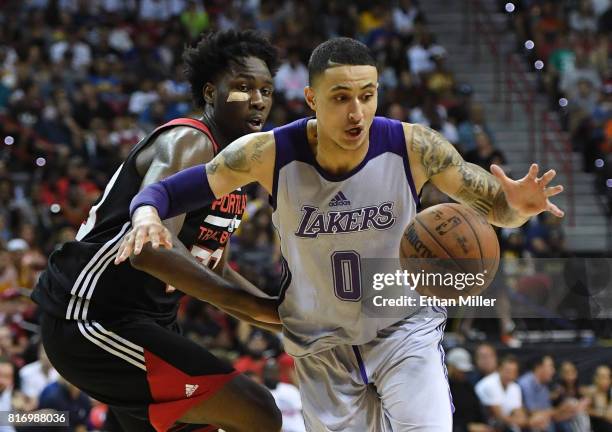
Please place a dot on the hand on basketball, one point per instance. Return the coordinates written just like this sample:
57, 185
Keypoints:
146, 227
530, 195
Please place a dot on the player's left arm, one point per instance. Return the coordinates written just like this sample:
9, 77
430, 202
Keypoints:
503, 201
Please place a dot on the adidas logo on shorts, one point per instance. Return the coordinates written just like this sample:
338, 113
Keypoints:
339, 200
190, 389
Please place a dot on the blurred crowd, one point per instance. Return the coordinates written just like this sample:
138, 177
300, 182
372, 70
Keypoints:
494, 394
82, 81
574, 40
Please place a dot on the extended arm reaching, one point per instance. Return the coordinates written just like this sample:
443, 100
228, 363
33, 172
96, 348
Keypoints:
505, 202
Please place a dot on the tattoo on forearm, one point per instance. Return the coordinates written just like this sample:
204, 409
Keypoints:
435, 152
482, 192
478, 189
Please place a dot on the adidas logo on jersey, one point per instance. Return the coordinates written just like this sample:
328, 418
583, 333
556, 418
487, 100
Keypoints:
190, 389
339, 200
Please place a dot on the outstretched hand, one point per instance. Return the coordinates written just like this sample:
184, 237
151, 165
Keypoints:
146, 227
530, 195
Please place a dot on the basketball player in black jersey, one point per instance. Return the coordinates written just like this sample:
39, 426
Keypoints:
110, 330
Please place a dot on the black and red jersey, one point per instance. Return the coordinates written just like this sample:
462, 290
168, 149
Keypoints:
82, 282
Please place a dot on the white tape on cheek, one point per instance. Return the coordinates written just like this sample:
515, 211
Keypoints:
238, 96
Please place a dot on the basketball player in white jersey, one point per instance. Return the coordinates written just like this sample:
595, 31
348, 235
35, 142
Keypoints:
344, 186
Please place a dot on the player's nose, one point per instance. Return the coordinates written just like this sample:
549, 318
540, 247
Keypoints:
257, 100
355, 114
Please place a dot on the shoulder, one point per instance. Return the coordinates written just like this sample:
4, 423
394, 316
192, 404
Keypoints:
526, 379
178, 147
29, 369
181, 138
490, 381
514, 390
51, 391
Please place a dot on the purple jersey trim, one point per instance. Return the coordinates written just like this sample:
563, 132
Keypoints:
362, 369
397, 144
386, 135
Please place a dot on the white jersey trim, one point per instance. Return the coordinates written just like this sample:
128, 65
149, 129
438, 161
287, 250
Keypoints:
94, 268
222, 222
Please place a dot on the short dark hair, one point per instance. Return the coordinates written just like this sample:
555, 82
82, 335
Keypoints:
210, 57
338, 51
508, 358
539, 360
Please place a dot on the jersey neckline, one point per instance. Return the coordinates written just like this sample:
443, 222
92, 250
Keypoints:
312, 159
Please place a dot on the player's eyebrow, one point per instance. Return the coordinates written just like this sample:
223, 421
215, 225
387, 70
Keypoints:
252, 77
345, 87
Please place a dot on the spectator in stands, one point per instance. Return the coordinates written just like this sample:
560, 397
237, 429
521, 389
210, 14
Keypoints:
545, 237
35, 376
257, 353
405, 14
468, 415
537, 398
63, 396
547, 27
421, 52
7, 370
292, 77
28, 261
565, 392
484, 154
600, 408
560, 61
501, 396
583, 19
468, 127
287, 398
195, 19
486, 362
8, 272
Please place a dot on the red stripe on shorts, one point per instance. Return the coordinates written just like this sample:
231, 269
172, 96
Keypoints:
175, 392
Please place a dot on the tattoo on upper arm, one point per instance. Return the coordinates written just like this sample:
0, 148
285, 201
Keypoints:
211, 167
435, 152
258, 150
238, 160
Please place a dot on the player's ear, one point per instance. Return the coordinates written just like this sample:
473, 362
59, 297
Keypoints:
209, 93
310, 97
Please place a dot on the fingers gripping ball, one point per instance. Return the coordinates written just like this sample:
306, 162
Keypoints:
455, 246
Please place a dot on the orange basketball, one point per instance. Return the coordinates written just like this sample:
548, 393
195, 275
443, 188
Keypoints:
453, 241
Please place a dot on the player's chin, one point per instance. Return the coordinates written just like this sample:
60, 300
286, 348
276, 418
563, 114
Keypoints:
350, 143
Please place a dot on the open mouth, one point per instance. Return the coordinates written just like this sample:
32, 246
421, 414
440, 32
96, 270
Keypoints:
354, 132
255, 123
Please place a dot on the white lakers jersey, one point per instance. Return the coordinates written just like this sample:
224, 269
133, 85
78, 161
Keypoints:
328, 225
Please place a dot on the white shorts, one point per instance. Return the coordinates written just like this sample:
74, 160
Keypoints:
395, 383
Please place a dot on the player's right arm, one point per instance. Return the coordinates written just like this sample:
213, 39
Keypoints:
248, 159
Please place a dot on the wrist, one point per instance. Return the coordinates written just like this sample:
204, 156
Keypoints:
144, 212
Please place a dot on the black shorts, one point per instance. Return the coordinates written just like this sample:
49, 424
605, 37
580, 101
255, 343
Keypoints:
147, 373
